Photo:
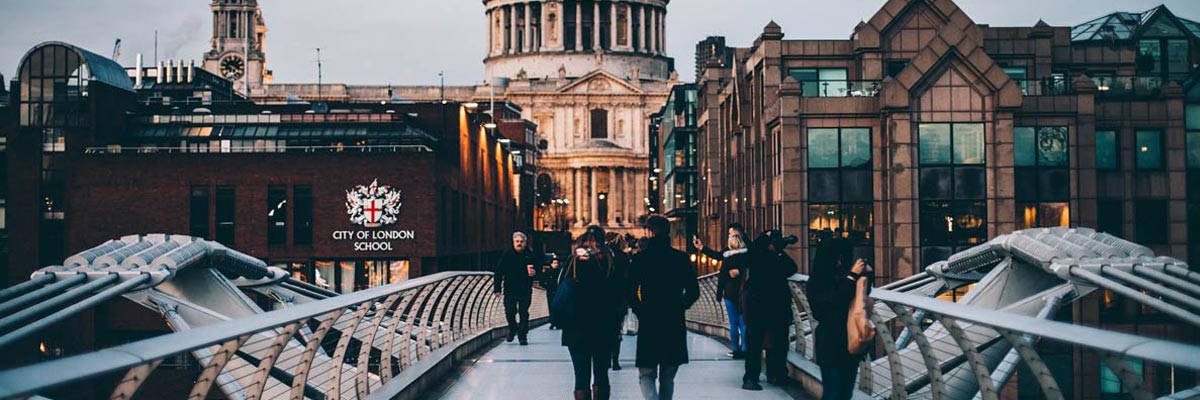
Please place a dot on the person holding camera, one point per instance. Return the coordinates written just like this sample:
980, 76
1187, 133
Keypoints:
514, 273
831, 289
767, 301
599, 296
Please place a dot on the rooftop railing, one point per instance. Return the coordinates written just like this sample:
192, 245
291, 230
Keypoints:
839, 88
258, 149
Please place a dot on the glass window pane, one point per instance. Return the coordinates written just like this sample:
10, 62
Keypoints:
822, 148
823, 221
1193, 150
934, 146
1052, 146
1106, 150
1149, 150
1149, 56
836, 74
968, 143
803, 74
1192, 116
1024, 149
856, 147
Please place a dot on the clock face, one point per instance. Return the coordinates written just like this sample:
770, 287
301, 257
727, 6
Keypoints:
232, 67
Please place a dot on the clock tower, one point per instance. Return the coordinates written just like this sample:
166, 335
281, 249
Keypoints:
237, 45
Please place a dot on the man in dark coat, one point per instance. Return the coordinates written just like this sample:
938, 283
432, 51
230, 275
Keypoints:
665, 286
767, 301
514, 273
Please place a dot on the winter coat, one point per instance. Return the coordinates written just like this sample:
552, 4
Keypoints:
512, 271
598, 304
729, 288
830, 292
665, 287
766, 296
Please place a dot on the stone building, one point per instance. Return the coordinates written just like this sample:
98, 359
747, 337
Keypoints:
925, 133
588, 73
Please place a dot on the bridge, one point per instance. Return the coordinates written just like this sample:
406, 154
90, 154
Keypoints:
244, 330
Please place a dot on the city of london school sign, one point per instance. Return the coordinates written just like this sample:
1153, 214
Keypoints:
374, 206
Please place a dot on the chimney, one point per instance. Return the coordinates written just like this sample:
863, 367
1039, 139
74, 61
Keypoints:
158, 72
137, 78
191, 70
179, 72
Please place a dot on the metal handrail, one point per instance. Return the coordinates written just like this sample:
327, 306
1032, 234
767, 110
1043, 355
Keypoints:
258, 149
141, 357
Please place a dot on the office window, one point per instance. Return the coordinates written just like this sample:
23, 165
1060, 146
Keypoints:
1149, 57
277, 208
1018, 75
302, 220
599, 124
1106, 150
821, 82
1110, 382
1151, 216
1040, 146
1149, 149
198, 205
1193, 150
225, 215
840, 188
1042, 178
1110, 217
952, 188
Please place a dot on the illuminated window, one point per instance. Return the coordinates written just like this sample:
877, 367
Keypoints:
1042, 178
1149, 149
953, 214
840, 187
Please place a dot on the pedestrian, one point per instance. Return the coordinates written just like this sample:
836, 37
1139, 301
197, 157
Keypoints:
514, 274
766, 298
617, 247
729, 283
830, 292
549, 280
665, 287
597, 293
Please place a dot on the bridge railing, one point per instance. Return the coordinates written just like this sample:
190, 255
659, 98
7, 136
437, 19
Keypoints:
348, 346
928, 348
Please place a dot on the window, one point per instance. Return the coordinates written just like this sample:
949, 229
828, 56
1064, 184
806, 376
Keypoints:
952, 188
1110, 217
1110, 383
225, 215
1106, 150
1151, 226
821, 82
894, 67
198, 225
1163, 58
302, 219
1149, 150
1042, 176
1019, 76
277, 215
840, 187
1149, 57
599, 124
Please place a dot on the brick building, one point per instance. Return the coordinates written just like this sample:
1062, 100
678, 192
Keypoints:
925, 133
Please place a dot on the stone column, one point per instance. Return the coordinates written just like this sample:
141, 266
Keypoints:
512, 29
612, 25
577, 198
629, 26
627, 199
528, 29
578, 26
595, 25
592, 197
612, 191
653, 31
662, 32
491, 44
560, 22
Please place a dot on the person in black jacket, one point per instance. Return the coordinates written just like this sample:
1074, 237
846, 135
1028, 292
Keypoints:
830, 292
597, 293
767, 301
514, 273
616, 246
729, 283
665, 287
549, 279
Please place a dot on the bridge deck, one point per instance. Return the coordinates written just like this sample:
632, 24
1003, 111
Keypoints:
542, 370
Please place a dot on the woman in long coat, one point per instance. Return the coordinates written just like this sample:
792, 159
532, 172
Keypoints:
767, 301
664, 287
830, 292
598, 293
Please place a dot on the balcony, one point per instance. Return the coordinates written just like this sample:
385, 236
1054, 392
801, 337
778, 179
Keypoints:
1128, 86
839, 88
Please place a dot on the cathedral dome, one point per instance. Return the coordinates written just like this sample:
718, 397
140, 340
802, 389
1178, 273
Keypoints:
551, 39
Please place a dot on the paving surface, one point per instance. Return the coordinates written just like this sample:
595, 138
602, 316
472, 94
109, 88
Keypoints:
542, 370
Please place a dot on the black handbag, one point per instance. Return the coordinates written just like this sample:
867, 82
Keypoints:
562, 307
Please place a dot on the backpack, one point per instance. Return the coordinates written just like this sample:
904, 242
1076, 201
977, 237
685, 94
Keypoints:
562, 307
859, 329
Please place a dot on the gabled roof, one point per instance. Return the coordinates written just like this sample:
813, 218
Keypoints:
604, 79
1123, 25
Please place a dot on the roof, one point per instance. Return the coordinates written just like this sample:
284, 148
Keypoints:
101, 68
271, 131
601, 144
1125, 25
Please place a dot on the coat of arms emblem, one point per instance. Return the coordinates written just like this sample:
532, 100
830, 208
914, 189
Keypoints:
374, 205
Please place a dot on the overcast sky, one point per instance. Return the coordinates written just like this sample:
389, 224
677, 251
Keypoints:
406, 42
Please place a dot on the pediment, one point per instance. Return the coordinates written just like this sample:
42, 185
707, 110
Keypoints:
600, 82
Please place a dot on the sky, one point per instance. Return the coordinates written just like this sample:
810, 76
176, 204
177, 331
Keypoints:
408, 42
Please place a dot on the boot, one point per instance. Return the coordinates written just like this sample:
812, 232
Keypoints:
582, 395
600, 392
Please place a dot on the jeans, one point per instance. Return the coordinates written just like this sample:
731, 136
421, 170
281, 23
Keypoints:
737, 326
665, 375
838, 382
517, 305
587, 363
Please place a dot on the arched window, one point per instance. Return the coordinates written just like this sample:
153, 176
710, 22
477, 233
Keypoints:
599, 124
